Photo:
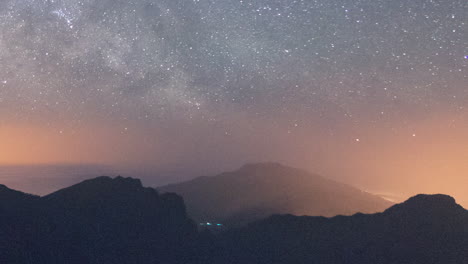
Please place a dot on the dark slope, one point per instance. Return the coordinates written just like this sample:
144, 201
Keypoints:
13, 199
425, 229
259, 190
17, 211
102, 220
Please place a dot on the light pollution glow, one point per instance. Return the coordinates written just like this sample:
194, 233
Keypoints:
425, 157
372, 93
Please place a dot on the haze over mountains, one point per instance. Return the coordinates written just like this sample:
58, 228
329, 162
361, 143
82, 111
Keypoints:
45, 179
107, 220
259, 190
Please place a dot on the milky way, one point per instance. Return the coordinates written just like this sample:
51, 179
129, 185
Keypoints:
224, 81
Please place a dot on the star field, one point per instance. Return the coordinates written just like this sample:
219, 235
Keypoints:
142, 58
247, 74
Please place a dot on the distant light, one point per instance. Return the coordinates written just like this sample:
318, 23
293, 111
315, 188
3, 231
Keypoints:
219, 224
208, 224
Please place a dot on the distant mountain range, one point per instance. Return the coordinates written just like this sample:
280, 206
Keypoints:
105, 220
257, 191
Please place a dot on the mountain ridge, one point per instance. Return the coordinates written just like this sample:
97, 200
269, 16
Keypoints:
101, 220
257, 190
397, 235
124, 222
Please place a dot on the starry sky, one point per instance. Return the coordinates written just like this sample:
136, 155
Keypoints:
370, 92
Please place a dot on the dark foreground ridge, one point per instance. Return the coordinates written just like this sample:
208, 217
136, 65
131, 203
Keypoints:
424, 229
102, 220
259, 190
107, 220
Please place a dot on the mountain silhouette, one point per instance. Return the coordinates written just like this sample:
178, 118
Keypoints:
107, 220
11, 199
257, 191
424, 229
102, 220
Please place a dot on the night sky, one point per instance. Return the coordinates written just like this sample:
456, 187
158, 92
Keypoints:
370, 92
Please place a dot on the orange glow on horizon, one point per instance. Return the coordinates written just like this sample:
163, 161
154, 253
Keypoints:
426, 157
33, 145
